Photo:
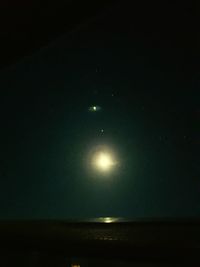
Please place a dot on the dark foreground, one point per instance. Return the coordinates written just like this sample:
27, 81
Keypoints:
122, 243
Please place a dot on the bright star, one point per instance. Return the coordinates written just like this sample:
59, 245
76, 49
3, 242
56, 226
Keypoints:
94, 108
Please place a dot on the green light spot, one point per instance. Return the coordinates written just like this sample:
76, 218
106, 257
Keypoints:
94, 108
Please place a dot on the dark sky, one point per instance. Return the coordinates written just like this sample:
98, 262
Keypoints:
138, 65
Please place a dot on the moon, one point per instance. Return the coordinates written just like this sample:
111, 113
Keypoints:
103, 161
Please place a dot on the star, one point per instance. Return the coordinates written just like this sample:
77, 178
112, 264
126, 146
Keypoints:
94, 108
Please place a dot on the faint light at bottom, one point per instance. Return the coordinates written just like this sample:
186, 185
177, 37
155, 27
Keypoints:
108, 219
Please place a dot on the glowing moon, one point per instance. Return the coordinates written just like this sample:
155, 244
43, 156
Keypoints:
103, 161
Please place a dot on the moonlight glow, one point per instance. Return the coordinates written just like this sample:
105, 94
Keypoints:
103, 161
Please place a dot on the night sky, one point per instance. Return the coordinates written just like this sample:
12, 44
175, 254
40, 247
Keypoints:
140, 75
